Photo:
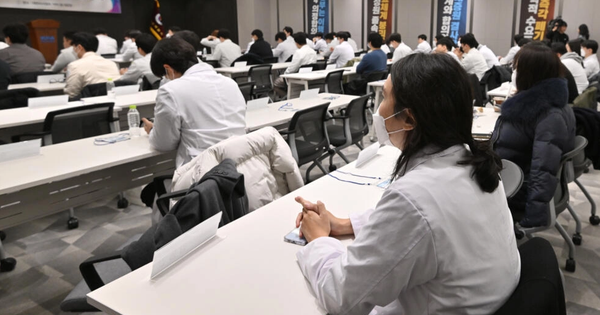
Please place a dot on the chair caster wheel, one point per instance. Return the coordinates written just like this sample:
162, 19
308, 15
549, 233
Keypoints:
122, 203
594, 220
519, 235
570, 266
332, 167
7, 264
73, 223
2, 235
577, 238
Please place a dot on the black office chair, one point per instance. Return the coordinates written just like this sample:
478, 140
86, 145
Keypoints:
247, 89
99, 89
376, 76
307, 137
261, 74
150, 82
72, 124
213, 63
476, 89
540, 290
109, 56
581, 164
352, 130
312, 66
321, 64
27, 77
333, 82
271, 60
17, 98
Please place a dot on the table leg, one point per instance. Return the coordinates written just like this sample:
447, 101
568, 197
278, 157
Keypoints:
6, 263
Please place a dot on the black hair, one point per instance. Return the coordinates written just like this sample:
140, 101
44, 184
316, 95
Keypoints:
584, 31
438, 37
17, 33
395, 37
342, 35
446, 41
280, 35
524, 41
560, 23
469, 39
289, 30
422, 36
436, 91
174, 29
300, 38
319, 34
575, 46
592, 44
69, 35
258, 33
175, 52
517, 38
329, 36
534, 63
145, 42
224, 33
134, 34
349, 35
375, 39
190, 37
99, 31
558, 48
88, 41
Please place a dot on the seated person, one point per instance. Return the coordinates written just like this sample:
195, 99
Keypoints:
320, 43
342, 53
20, 57
304, 55
90, 68
196, 108
211, 41
375, 60
471, 58
508, 59
401, 50
429, 245
286, 46
536, 127
173, 30
129, 35
260, 47
589, 48
67, 55
332, 42
144, 43
445, 46
131, 53
574, 62
106, 44
227, 51
423, 46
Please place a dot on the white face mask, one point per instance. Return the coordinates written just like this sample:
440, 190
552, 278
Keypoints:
582, 52
383, 136
458, 43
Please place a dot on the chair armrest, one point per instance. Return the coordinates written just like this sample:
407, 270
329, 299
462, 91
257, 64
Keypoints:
89, 272
335, 117
163, 201
286, 132
159, 182
40, 134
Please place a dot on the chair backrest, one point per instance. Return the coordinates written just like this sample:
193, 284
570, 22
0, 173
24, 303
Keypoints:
313, 66
376, 76
250, 59
333, 82
321, 64
16, 98
566, 174
540, 290
99, 89
512, 177
271, 59
356, 111
587, 99
261, 74
109, 56
213, 63
150, 82
27, 77
78, 123
247, 89
308, 135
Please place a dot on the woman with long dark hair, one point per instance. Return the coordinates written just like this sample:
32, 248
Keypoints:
535, 129
584, 32
441, 239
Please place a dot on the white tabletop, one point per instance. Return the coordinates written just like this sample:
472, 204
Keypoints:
248, 268
276, 66
42, 87
376, 84
69, 159
272, 116
26, 116
317, 75
502, 90
484, 122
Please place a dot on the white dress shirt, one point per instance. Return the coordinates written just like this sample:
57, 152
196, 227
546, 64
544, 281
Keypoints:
90, 69
385, 49
226, 52
126, 44
341, 54
508, 59
106, 45
137, 69
310, 44
474, 63
321, 45
591, 65
401, 51
490, 58
131, 53
197, 111
332, 44
65, 57
423, 47
578, 73
453, 55
210, 43
424, 249
303, 56
248, 46
285, 49
352, 43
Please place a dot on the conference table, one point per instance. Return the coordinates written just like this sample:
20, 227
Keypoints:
377, 89
44, 88
302, 81
503, 90
234, 72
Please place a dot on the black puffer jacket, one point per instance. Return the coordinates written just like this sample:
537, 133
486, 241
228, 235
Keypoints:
535, 129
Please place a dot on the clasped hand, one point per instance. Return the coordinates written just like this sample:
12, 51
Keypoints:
318, 222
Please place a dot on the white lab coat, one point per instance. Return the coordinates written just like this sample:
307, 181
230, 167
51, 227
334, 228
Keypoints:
303, 56
401, 51
352, 43
321, 45
126, 44
490, 57
137, 69
106, 45
385, 49
434, 244
210, 43
226, 52
65, 57
423, 47
285, 49
196, 111
474, 63
591, 65
508, 59
131, 53
453, 55
341, 54
330, 45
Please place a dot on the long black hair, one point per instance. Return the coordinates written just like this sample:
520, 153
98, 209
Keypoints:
436, 90
584, 31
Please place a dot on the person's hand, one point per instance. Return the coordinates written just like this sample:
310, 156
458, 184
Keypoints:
123, 70
555, 27
148, 125
210, 37
315, 225
337, 226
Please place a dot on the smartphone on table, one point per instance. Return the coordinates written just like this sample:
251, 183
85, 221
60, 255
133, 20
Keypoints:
294, 238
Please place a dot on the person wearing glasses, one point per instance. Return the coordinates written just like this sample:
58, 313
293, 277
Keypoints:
441, 239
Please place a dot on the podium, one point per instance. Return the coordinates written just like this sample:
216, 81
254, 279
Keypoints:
44, 37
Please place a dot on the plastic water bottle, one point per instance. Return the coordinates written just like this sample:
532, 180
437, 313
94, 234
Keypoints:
204, 52
133, 118
110, 89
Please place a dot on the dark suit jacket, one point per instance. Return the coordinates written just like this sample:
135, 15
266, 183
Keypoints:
261, 48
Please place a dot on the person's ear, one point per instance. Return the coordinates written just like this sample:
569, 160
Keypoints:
409, 122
